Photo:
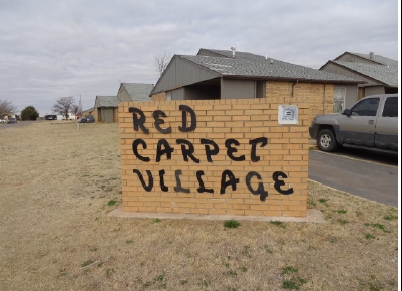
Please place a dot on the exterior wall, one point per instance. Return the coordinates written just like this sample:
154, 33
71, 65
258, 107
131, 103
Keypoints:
95, 115
159, 97
238, 89
319, 96
361, 93
177, 94
284, 157
202, 92
374, 90
335, 69
88, 112
116, 114
352, 95
122, 95
180, 73
106, 114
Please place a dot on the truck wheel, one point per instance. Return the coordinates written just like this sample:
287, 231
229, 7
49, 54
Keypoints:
326, 140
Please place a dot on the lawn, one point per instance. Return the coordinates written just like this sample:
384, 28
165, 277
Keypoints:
58, 182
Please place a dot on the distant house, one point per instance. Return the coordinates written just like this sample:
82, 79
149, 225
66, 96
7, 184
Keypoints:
11, 115
223, 74
378, 74
129, 92
105, 109
70, 116
89, 111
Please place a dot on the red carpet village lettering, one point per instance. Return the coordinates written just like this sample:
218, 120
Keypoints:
164, 150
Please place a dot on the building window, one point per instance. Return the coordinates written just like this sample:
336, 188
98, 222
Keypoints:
339, 98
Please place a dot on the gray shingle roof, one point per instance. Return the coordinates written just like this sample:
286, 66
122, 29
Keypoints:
387, 74
138, 92
251, 65
106, 101
378, 59
238, 55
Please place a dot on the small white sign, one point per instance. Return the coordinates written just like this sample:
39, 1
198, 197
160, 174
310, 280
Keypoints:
288, 114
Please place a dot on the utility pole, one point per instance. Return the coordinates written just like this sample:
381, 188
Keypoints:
80, 111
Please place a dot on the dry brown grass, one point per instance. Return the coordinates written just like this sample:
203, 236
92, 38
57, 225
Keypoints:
57, 182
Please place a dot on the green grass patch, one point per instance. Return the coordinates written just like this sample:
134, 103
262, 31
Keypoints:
244, 269
342, 221
289, 270
268, 249
226, 264
157, 220
342, 211
294, 283
232, 224
278, 223
379, 226
311, 203
112, 202
246, 251
205, 283
109, 272
391, 217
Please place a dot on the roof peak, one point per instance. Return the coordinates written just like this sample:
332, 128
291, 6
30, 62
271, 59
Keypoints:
374, 58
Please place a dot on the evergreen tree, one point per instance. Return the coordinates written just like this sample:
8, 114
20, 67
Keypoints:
29, 113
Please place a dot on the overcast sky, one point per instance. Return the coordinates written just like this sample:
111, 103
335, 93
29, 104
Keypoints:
51, 49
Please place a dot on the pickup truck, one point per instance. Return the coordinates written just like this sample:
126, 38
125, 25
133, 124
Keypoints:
371, 123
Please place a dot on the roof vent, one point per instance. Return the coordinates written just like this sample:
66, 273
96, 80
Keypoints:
266, 57
233, 48
272, 61
371, 55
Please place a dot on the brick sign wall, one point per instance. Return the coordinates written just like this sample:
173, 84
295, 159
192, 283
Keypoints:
228, 157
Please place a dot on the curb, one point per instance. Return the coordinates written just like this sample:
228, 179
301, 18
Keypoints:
313, 215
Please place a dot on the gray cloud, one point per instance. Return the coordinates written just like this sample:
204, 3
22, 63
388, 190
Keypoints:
50, 49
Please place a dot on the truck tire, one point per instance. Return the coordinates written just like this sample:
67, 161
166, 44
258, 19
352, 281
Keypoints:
326, 140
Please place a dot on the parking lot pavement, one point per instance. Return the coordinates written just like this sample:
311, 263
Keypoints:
373, 176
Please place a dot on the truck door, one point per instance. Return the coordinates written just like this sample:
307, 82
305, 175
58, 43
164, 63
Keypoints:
386, 133
359, 127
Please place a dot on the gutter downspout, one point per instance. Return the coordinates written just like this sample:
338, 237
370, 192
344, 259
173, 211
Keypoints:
324, 101
255, 89
293, 89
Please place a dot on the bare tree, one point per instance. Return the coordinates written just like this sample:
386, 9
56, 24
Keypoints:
161, 62
6, 108
75, 109
63, 106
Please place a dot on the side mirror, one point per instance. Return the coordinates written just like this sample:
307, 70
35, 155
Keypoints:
347, 112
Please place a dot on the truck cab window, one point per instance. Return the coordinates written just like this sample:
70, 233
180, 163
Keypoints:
390, 107
367, 107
